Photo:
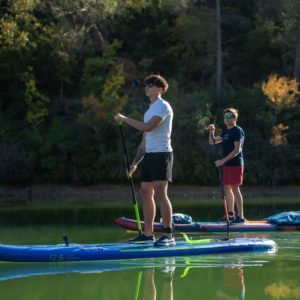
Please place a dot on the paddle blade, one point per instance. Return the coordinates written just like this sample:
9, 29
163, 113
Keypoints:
193, 242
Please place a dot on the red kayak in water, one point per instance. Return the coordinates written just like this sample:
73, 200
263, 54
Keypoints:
248, 226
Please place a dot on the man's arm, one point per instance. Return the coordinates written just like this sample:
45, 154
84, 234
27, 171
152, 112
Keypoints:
237, 149
138, 157
139, 125
140, 153
212, 139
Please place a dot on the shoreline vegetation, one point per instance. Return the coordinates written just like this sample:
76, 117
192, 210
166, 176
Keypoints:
67, 67
104, 193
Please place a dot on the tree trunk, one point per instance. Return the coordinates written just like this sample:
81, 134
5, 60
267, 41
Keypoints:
297, 56
219, 86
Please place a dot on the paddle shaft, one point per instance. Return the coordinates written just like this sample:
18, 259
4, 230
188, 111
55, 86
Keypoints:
224, 200
135, 206
223, 194
138, 285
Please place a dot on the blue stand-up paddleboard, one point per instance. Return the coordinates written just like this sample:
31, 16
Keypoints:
113, 251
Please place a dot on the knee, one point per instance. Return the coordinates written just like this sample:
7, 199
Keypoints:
146, 193
161, 193
228, 188
235, 188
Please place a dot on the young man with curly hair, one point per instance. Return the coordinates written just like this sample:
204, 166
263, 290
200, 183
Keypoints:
155, 154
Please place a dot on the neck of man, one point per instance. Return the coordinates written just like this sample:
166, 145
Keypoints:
154, 98
230, 125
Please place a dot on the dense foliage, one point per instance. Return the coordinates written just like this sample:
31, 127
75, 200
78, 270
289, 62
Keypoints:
68, 66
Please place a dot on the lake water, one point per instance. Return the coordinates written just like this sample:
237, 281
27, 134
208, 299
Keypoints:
229, 276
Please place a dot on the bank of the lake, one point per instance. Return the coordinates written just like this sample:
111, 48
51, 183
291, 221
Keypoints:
102, 204
117, 193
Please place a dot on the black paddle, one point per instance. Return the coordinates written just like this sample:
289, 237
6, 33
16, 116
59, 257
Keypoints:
223, 194
135, 206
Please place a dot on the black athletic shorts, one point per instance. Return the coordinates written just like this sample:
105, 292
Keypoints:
157, 166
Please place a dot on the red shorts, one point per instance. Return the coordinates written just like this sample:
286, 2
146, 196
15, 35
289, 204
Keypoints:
233, 175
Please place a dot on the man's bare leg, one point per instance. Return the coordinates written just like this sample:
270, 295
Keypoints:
239, 200
230, 198
161, 194
149, 208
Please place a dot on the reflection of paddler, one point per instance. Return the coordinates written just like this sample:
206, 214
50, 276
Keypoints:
234, 285
161, 288
234, 278
148, 285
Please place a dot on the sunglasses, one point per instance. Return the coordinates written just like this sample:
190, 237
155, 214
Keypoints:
228, 117
149, 85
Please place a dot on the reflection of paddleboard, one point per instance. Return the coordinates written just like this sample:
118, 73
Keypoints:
17, 270
89, 252
248, 226
22, 270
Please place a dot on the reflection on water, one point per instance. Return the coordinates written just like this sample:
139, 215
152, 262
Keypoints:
152, 290
184, 265
155, 286
283, 290
233, 284
229, 276
211, 276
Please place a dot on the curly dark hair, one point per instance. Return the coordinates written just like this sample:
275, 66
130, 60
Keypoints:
158, 81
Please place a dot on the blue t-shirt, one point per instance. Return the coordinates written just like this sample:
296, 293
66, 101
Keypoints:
229, 136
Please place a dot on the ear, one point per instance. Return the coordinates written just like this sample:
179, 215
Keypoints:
162, 90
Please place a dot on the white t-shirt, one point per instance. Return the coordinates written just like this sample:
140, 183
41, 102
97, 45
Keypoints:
159, 139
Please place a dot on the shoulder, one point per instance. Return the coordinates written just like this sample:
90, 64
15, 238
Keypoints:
166, 104
239, 129
163, 104
238, 133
